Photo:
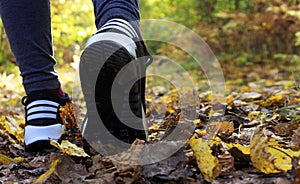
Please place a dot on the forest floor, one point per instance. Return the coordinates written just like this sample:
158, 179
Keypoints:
256, 140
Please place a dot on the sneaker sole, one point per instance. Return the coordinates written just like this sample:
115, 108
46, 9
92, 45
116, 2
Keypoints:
111, 57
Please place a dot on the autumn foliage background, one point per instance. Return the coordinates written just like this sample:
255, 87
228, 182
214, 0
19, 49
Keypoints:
240, 33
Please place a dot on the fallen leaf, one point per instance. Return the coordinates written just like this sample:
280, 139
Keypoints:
249, 96
276, 100
282, 129
295, 142
69, 148
11, 125
226, 162
62, 169
43, 178
67, 115
207, 163
241, 160
220, 127
267, 156
245, 149
229, 99
6, 160
172, 168
253, 115
131, 156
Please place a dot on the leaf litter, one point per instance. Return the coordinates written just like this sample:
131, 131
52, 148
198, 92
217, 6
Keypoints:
256, 141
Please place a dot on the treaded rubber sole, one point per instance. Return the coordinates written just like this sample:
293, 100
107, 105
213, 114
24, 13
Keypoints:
109, 58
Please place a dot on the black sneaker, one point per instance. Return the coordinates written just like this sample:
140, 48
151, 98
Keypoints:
42, 121
106, 54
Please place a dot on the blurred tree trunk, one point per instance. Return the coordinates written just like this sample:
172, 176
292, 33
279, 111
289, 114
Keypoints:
237, 4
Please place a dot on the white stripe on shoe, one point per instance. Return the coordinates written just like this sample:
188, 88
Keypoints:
42, 102
121, 39
121, 27
42, 108
40, 133
41, 116
107, 27
124, 23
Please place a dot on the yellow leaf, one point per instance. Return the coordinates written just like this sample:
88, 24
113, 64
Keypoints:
43, 178
2, 119
6, 160
171, 110
12, 127
229, 99
242, 148
207, 163
69, 148
55, 144
201, 132
21, 123
155, 127
210, 96
267, 156
278, 99
255, 114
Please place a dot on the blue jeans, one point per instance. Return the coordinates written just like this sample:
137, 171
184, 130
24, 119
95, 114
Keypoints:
28, 27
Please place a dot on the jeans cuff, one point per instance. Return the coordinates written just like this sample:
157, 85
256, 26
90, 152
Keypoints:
42, 85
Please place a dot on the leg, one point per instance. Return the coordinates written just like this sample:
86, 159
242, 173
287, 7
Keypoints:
116, 44
106, 10
28, 27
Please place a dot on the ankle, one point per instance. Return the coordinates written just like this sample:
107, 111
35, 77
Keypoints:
60, 92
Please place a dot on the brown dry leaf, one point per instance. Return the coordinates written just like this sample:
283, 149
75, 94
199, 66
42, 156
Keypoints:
282, 129
69, 148
295, 142
267, 156
207, 163
129, 175
226, 162
172, 168
297, 175
221, 127
67, 115
126, 164
62, 169
6, 160
98, 166
131, 156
